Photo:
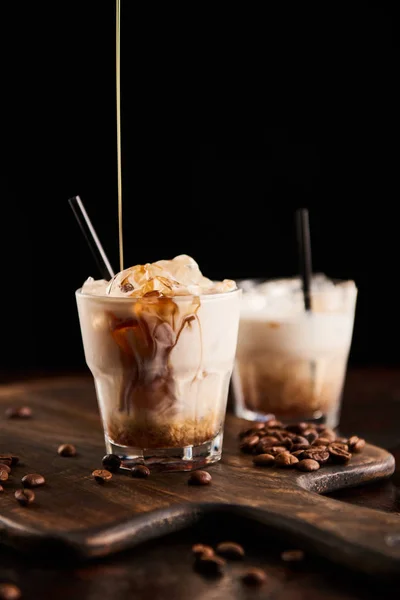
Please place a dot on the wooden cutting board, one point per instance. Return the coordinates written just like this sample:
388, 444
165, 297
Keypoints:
74, 514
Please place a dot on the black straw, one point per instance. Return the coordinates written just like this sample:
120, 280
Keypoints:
304, 249
91, 237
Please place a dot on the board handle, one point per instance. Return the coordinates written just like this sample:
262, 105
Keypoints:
359, 538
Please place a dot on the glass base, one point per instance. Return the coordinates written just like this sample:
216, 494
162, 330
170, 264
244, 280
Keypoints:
187, 458
318, 417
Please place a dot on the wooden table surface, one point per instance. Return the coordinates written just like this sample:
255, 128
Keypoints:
163, 569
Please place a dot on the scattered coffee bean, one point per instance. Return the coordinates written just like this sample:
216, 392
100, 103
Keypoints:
6, 459
210, 565
22, 412
1, 489
67, 450
33, 480
140, 471
356, 444
9, 591
202, 550
102, 475
292, 555
321, 456
4, 467
111, 462
254, 576
338, 455
230, 550
3, 475
200, 478
285, 460
308, 464
263, 460
24, 496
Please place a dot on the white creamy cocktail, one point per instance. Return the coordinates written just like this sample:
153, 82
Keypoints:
160, 341
291, 363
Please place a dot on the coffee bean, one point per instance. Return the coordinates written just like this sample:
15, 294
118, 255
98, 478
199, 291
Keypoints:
296, 447
200, 478
321, 456
356, 444
254, 576
339, 444
102, 475
263, 460
338, 455
140, 471
3, 475
24, 496
285, 460
248, 443
22, 412
297, 427
9, 591
275, 450
67, 450
251, 431
111, 462
311, 436
1, 489
328, 434
4, 467
270, 440
308, 464
341, 440
210, 565
273, 423
288, 443
33, 480
9, 459
298, 454
299, 439
230, 550
202, 550
292, 555
322, 442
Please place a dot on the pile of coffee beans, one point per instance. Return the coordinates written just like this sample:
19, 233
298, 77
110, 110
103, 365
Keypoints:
304, 446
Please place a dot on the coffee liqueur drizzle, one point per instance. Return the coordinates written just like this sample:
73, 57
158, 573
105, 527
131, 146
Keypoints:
146, 342
118, 94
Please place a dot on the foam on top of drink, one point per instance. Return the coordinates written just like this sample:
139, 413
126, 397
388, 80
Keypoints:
280, 298
180, 276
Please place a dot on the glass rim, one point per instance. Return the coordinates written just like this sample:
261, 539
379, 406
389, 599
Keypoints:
154, 299
258, 280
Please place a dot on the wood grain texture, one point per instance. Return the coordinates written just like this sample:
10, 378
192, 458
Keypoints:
73, 513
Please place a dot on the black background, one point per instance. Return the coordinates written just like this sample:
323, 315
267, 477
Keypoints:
229, 124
